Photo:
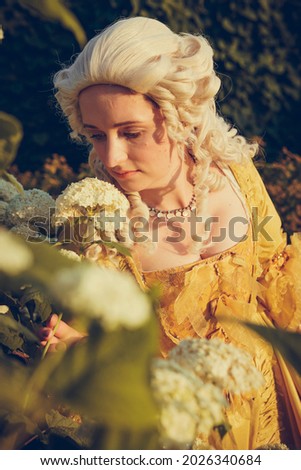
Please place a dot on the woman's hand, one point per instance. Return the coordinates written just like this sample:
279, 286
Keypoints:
63, 336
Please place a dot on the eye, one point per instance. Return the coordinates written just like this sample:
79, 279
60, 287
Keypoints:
132, 135
100, 137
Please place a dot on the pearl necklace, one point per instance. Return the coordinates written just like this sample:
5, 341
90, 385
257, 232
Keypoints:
181, 212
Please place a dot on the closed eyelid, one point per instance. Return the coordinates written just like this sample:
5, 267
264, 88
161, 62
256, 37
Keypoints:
131, 131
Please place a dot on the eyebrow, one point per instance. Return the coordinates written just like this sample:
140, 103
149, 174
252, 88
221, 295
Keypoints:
117, 124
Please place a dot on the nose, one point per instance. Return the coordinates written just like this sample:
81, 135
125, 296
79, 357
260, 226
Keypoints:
114, 153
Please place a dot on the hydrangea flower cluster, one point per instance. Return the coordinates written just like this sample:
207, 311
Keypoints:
7, 190
20, 211
97, 204
224, 365
188, 406
110, 296
191, 384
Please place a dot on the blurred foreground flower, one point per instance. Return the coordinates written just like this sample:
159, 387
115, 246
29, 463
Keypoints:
222, 364
191, 385
15, 258
188, 406
112, 297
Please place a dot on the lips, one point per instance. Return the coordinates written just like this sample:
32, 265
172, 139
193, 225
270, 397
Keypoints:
124, 174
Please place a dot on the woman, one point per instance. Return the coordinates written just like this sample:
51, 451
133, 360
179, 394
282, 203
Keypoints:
143, 97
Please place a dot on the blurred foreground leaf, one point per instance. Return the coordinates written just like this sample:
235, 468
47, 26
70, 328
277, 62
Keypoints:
288, 343
11, 134
16, 426
104, 379
110, 369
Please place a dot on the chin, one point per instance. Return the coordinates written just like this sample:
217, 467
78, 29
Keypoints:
128, 187
131, 186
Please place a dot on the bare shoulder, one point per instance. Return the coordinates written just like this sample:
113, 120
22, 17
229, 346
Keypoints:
226, 202
228, 215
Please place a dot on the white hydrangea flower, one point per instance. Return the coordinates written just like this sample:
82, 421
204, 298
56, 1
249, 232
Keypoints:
15, 258
178, 427
27, 233
24, 208
3, 208
70, 254
97, 201
188, 406
113, 297
224, 365
7, 190
88, 197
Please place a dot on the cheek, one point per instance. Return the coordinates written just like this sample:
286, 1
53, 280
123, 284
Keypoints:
163, 154
98, 150
95, 161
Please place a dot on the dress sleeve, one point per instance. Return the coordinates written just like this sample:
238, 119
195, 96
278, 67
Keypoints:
267, 230
281, 282
279, 260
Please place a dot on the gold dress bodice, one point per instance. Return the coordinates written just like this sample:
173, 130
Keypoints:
246, 283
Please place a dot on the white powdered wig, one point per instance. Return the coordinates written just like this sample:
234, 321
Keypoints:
176, 72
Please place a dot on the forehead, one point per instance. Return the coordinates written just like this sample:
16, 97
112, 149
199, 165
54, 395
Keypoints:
115, 100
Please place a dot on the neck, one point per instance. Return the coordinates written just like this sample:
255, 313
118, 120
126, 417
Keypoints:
176, 192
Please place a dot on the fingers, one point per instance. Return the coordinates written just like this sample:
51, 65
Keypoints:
57, 347
64, 331
52, 320
63, 336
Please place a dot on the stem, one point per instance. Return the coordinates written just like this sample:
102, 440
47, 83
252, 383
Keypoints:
54, 331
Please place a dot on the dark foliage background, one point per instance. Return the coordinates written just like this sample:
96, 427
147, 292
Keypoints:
257, 45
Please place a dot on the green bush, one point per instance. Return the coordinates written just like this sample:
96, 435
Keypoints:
257, 57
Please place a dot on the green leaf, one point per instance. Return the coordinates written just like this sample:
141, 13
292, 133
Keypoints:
12, 333
11, 134
17, 425
287, 342
37, 302
8, 299
55, 10
65, 426
14, 427
12, 180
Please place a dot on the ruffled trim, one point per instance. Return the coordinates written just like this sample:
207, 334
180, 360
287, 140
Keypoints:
281, 279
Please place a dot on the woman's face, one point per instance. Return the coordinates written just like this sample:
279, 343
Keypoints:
129, 135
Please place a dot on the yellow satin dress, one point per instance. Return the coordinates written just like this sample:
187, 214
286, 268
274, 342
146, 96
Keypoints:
258, 280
